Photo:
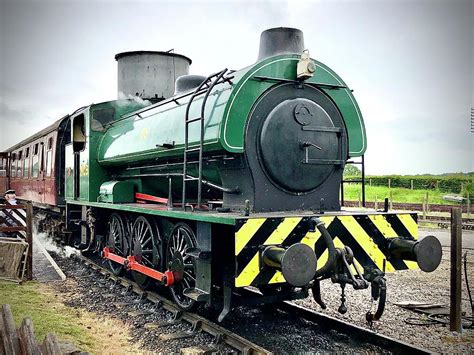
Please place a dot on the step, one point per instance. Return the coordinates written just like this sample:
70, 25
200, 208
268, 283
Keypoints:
191, 120
197, 294
189, 150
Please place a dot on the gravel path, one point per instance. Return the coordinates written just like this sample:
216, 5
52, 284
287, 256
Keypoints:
403, 286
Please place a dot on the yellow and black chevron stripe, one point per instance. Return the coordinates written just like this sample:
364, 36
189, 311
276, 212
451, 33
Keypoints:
366, 234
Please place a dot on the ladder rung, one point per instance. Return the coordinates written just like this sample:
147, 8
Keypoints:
194, 120
189, 150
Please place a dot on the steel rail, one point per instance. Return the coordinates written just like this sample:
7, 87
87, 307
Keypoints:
353, 331
445, 224
197, 322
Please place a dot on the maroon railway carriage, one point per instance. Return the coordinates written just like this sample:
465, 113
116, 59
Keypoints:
35, 166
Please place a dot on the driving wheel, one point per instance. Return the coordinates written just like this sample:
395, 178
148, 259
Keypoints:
117, 241
146, 248
182, 240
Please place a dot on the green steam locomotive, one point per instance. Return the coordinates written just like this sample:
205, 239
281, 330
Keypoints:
231, 181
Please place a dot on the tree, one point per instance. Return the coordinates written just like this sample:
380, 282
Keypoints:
352, 170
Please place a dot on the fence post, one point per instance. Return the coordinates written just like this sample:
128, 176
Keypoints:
391, 199
29, 240
423, 208
411, 184
376, 205
358, 196
389, 183
456, 258
370, 181
427, 203
468, 206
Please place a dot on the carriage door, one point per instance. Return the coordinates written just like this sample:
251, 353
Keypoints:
4, 176
78, 145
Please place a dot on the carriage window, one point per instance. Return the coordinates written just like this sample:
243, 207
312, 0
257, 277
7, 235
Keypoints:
26, 164
35, 161
3, 167
49, 157
13, 166
42, 156
19, 165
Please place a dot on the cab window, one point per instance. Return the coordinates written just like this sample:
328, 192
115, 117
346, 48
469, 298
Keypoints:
79, 133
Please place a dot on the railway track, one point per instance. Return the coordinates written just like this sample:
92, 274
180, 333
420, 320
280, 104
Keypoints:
410, 206
393, 345
197, 322
356, 333
443, 224
351, 334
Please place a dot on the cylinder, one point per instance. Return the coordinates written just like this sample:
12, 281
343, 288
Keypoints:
297, 263
280, 40
427, 252
149, 74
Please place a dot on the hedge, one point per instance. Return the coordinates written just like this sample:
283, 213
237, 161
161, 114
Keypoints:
450, 184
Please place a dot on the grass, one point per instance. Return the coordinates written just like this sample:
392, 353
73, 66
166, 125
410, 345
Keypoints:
401, 195
33, 300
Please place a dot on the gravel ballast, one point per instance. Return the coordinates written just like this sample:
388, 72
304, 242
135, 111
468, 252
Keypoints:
403, 286
86, 289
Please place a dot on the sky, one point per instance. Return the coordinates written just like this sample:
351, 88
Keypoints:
410, 63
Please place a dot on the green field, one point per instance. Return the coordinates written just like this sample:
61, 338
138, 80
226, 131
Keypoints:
401, 195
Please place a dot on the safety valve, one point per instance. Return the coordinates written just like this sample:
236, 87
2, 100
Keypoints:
306, 66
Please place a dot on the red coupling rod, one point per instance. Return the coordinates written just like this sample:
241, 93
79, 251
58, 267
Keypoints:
130, 263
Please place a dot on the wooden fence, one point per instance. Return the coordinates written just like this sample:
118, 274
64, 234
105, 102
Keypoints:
16, 223
22, 341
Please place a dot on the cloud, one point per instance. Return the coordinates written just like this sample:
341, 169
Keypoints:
412, 76
19, 121
9, 114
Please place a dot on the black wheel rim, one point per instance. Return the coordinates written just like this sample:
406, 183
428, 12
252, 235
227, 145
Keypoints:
181, 241
144, 238
116, 241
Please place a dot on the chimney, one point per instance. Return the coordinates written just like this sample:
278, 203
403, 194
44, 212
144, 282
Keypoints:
280, 40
